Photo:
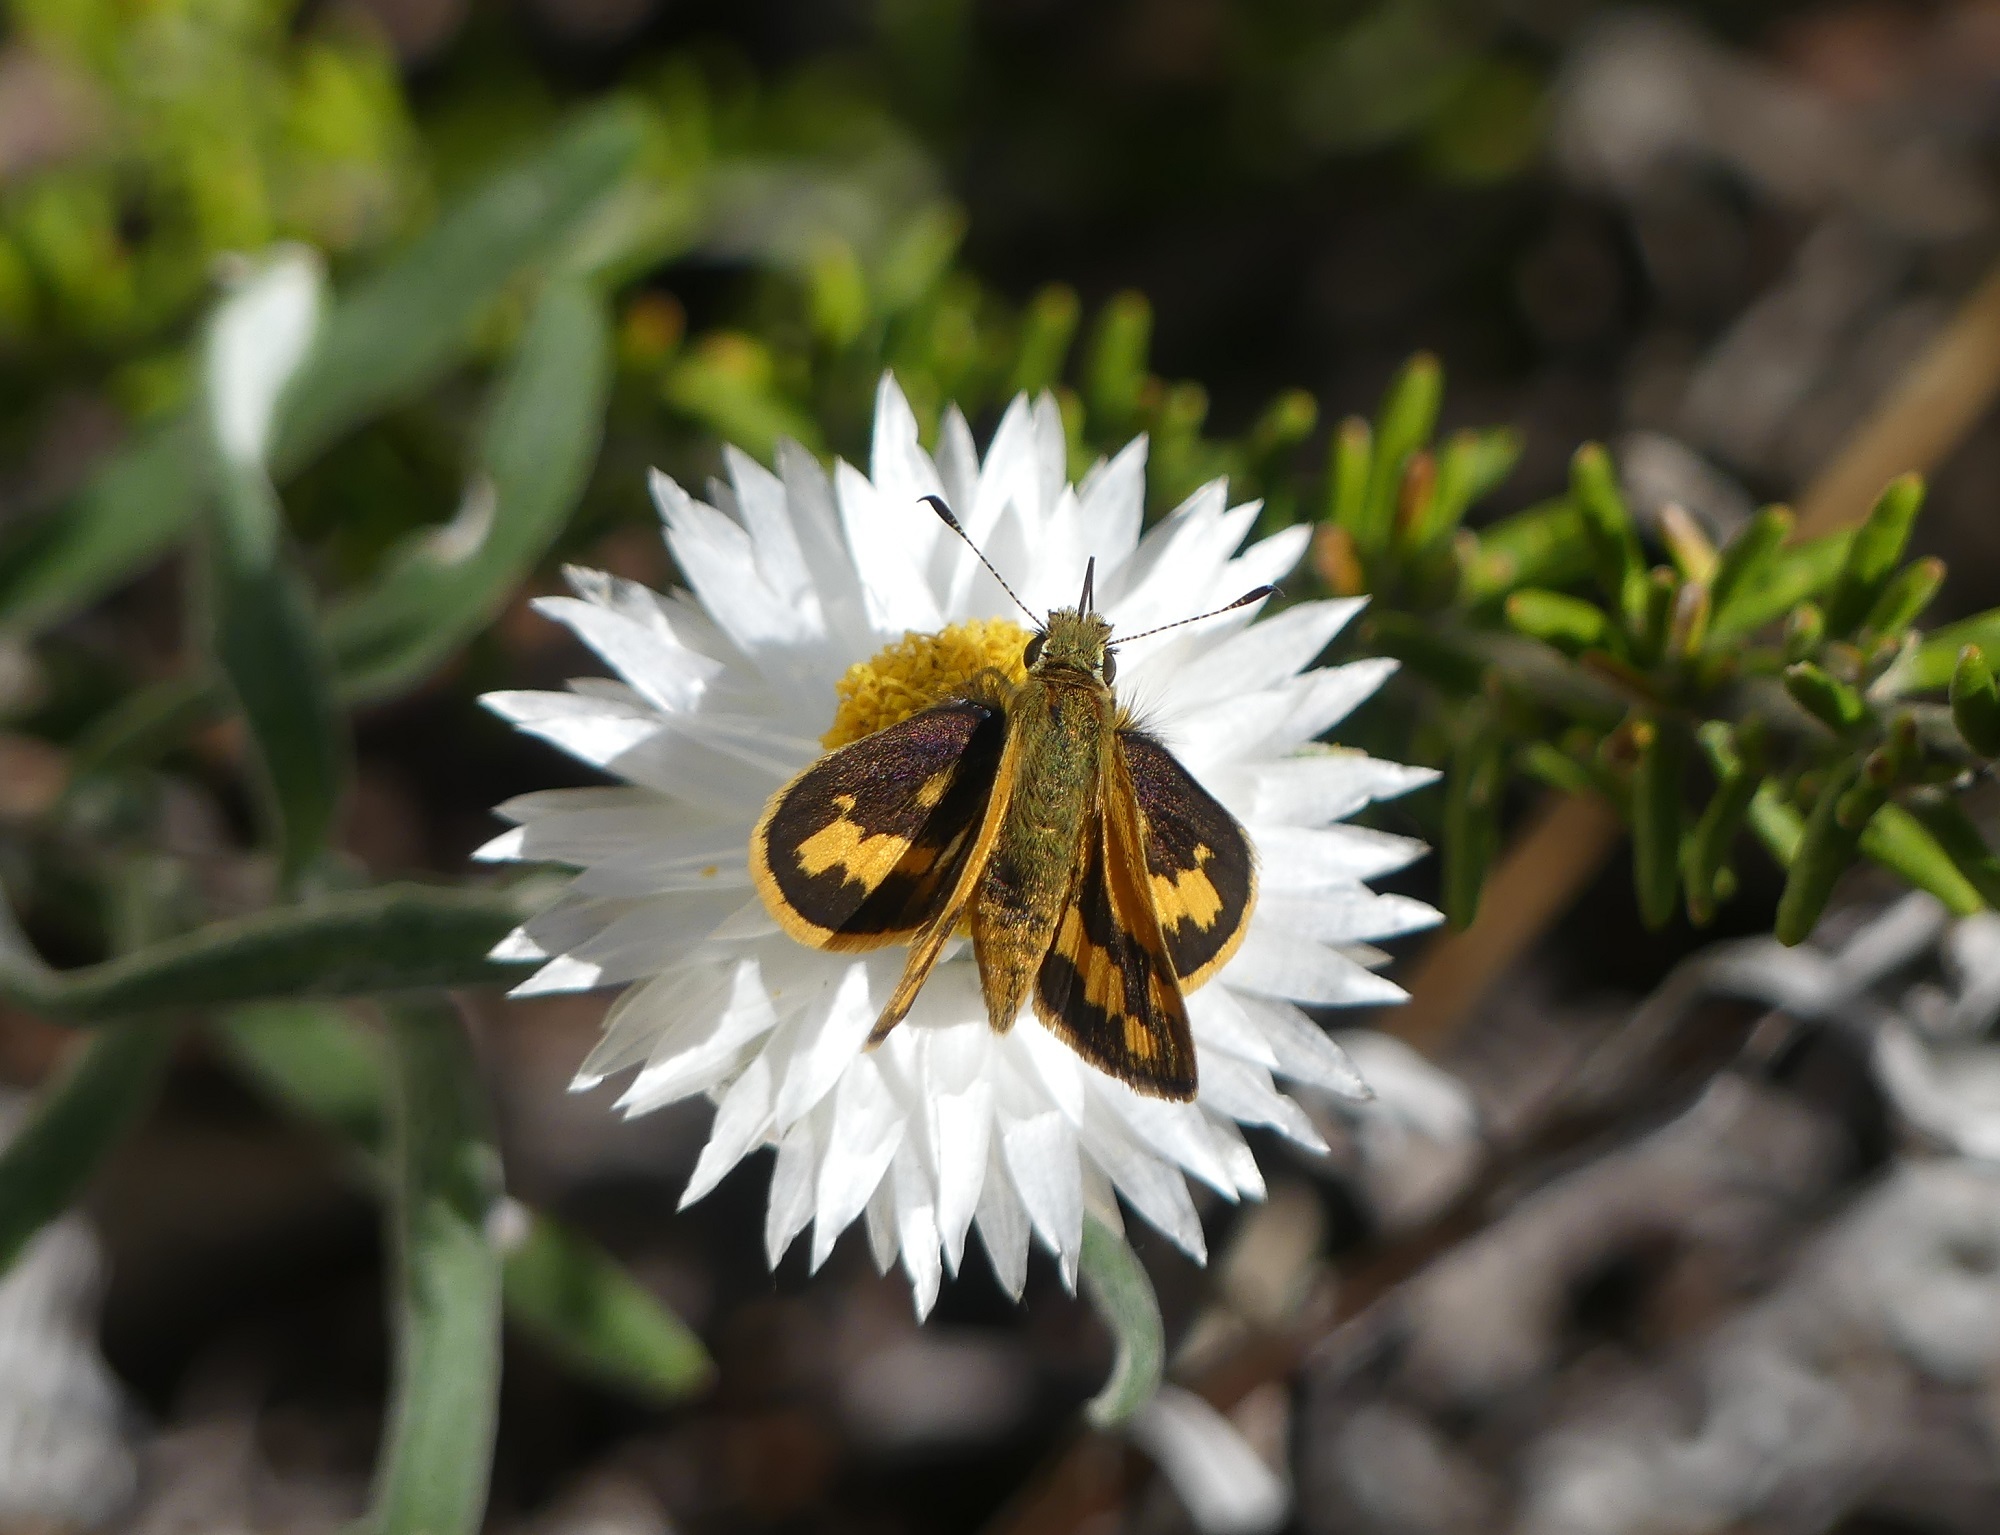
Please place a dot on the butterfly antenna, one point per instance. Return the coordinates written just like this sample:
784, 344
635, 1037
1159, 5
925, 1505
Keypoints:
1087, 603
1241, 602
946, 517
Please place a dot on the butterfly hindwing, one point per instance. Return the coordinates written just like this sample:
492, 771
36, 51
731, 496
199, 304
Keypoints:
1107, 987
859, 849
1201, 868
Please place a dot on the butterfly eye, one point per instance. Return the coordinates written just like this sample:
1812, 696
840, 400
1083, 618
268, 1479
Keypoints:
1034, 651
1110, 666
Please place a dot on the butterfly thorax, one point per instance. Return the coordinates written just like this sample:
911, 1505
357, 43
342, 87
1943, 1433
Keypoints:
1061, 717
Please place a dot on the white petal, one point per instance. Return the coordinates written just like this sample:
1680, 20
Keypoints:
1281, 964
716, 857
823, 545
888, 541
963, 1127
833, 1033
1176, 1132
1041, 1156
742, 1122
668, 675
719, 562
916, 1226
1298, 858
1003, 1224
774, 542
1346, 919
1304, 1051
1225, 1486
1219, 1023
704, 1038
1323, 698
581, 826
865, 1131
883, 1243
1244, 1093
1264, 563
793, 1177
1155, 1190
957, 460
1267, 652
1111, 506
1314, 789
1241, 1160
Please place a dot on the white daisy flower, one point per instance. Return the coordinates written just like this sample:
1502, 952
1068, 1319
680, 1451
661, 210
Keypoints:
823, 607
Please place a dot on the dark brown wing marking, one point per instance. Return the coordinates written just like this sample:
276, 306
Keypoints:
1202, 869
1106, 986
859, 849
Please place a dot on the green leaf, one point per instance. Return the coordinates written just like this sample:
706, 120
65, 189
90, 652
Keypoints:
535, 458
1902, 844
560, 1286
431, 1478
1473, 783
584, 1308
1954, 833
406, 328
1123, 1297
1904, 599
1471, 466
1608, 533
1825, 697
1874, 553
315, 1060
1656, 820
1408, 418
1047, 330
1737, 761
1778, 585
391, 338
1747, 562
260, 614
1570, 624
390, 938
1824, 852
1347, 475
76, 1120
1975, 702
1937, 657
1114, 369
1542, 546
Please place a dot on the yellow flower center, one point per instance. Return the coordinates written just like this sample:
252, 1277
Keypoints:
919, 670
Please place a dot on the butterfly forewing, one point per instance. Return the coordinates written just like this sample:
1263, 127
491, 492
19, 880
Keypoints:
1201, 868
859, 850
1107, 985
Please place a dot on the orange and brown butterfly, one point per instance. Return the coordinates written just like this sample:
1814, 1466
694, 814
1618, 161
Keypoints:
1099, 882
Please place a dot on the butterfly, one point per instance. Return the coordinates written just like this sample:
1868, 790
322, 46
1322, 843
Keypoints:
1100, 883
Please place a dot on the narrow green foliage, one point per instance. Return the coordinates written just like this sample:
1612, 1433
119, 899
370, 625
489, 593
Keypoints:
78, 1118
1736, 758
1568, 623
1789, 577
586, 1310
1542, 546
1975, 702
1746, 563
1805, 632
1936, 658
1657, 779
1907, 846
1612, 540
1959, 839
1874, 554
1825, 850
1407, 419
1904, 599
391, 938
1123, 1297
534, 459
1656, 617
1825, 697
431, 1477
1115, 368
1047, 331
1471, 466
1347, 475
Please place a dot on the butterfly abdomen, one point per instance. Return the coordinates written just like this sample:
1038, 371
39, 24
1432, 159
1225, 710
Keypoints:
1063, 727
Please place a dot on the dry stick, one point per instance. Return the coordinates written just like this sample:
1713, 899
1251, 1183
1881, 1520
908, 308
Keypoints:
1928, 412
